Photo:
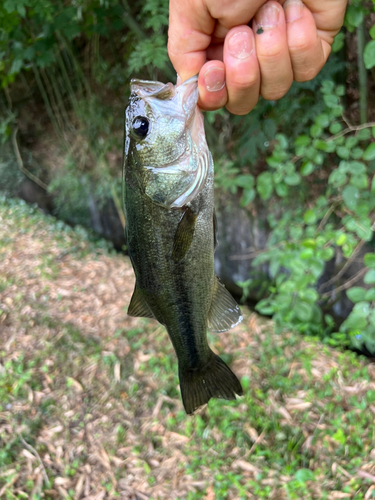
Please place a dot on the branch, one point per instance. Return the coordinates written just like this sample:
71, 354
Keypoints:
351, 128
347, 284
21, 165
36, 454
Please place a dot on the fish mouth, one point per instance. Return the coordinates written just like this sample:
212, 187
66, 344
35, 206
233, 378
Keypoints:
186, 94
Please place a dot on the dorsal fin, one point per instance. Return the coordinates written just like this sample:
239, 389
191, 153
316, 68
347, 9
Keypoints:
224, 312
138, 306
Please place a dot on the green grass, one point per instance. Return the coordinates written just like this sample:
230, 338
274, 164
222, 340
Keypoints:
89, 412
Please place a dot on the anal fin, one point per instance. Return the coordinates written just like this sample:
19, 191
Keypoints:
138, 306
224, 313
184, 234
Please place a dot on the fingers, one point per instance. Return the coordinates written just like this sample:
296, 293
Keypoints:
242, 70
235, 81
272, 50
308, 52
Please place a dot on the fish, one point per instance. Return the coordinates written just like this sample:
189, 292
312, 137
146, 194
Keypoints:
168, 191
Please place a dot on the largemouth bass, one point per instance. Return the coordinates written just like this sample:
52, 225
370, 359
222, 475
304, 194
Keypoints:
170, 227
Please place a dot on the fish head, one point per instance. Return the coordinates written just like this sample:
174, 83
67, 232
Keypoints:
166, 140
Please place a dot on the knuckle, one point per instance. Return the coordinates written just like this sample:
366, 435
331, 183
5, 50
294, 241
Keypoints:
276, 93
305, 74
271, 52
242, 83
300, 45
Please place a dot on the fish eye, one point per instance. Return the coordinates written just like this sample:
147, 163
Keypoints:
141, 126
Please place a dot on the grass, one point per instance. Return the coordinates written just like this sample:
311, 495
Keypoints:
90, 405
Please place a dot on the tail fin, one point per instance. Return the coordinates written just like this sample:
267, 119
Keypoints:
213, 380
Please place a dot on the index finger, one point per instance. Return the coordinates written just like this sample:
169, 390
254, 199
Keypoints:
189, 35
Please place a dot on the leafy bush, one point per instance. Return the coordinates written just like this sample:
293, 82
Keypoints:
319, 191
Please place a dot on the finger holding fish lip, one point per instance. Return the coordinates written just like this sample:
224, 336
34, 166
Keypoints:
212, 87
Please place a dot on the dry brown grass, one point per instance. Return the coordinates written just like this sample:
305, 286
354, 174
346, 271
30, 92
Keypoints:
91, 410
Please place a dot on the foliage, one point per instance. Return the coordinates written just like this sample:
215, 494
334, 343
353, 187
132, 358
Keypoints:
59, 53
322, 210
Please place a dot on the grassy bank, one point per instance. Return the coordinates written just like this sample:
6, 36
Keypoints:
89, 399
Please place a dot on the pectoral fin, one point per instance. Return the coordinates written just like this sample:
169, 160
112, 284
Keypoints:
138, 307
184, 234
215, 231
224, 312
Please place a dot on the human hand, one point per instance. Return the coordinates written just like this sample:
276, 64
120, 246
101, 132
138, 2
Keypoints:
289, 40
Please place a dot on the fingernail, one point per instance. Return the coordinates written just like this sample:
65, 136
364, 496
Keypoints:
214, 79
267, 16
293, 10
240, 45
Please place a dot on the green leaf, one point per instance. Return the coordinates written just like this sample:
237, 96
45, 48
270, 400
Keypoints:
369, 260
316, 130
247, 197
337, 178
343, 152
326, 253
331, 100
351, 142
307, 253
281, 189
265, 185
369, 54
335, 128
292, 179
356, 293
16, 66
341, 239
369, 153
350, 195
369, 278
327, 87
307, 168
362, 309
302, 140
364, 134
245, 181
304, 475
360, 181
356, 167
322, 120
303, 311
354, 16
372, 32
357, 153
370, 295
310, 217
338, 42
340, 436
283, 141
337, 111
340, 90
